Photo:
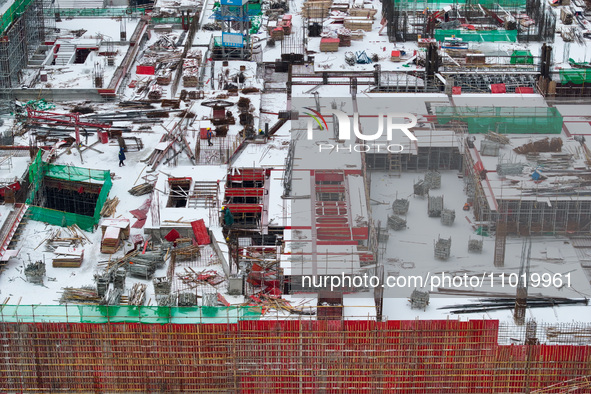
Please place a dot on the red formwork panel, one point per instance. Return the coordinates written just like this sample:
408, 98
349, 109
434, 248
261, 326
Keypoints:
200, 231
145, 70
498, 88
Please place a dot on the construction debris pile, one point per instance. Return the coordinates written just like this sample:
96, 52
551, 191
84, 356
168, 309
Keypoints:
68, 237
84, 295
545, 145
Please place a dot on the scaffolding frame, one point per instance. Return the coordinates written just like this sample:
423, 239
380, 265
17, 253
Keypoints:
524, 215
19, 41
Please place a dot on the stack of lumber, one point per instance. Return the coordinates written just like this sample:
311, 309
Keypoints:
316, 8
329, 44
357, 35
285, 24
191, 73
120, 223
110, 207
68, 257
155, 92
496, 137
545, 145
140, 190
358, 23
83, 295
368, 13
164, 78
344, 37
111, 240
71, 236
277, 34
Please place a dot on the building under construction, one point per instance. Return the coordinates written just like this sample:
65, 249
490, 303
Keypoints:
22, 30
308, 196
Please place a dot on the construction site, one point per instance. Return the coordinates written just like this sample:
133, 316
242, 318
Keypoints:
194, 196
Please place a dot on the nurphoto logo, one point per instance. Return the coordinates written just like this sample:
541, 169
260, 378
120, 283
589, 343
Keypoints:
344, 130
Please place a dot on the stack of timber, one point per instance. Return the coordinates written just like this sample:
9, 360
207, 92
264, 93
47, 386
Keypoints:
110, 207
316, 8
329, 44
83, 295
68, 257
111, 240
140, 190
358, 23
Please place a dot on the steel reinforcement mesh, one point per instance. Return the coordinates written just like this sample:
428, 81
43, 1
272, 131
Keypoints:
284, 357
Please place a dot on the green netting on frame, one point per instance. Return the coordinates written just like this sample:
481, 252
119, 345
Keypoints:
436, 5
39, 169
13, 12
478, 35
126, 314
110, 12
577, 76
167, 20
507, 120
522, 57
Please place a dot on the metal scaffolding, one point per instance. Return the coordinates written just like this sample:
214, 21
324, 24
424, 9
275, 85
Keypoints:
19, 41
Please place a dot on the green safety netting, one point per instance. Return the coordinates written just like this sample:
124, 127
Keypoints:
509, 120
101, 314
522, 57
577, 76
439, 4
95, 12
40, 105
168, 20
478, 35
39, 169
13, 12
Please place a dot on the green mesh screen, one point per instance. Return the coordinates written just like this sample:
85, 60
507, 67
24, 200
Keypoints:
169, 20
522, 57
577, 76
478, 35
509, 120
96, 12
13, 12
126, 314
435, 5
38, 169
